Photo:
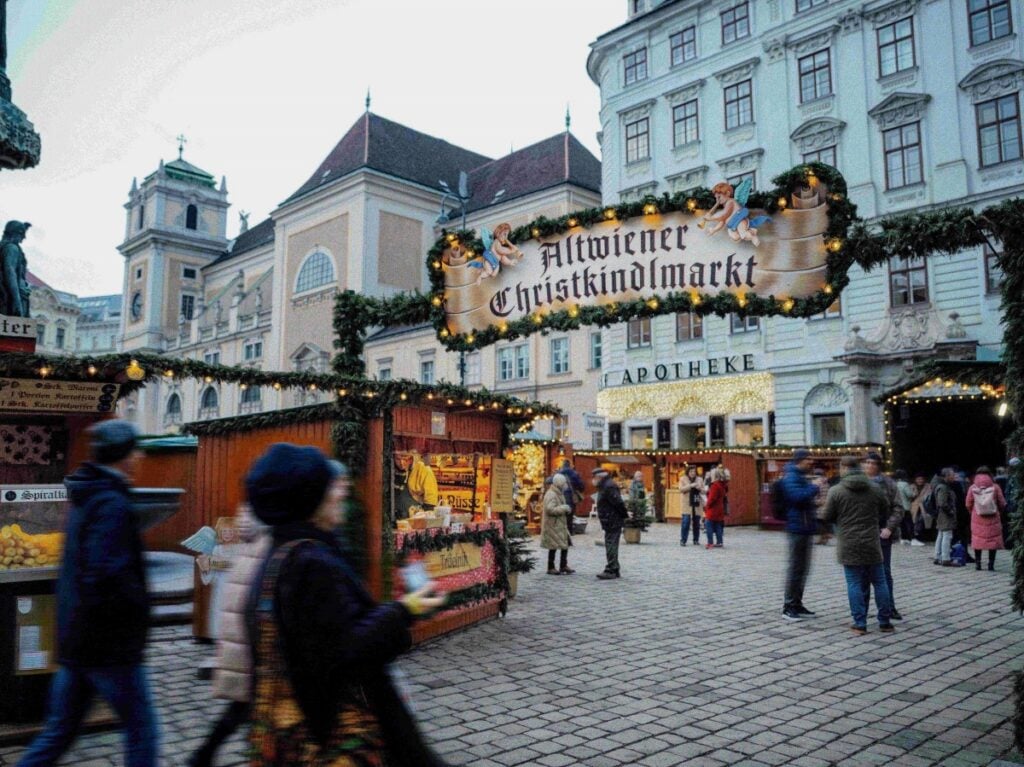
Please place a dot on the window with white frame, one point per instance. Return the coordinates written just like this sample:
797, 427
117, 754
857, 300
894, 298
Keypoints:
683, 45
211, 358
638, 332
560, 428
902, 156
522, 361
685, 123
908, 281
474, 369
739, 104
316, 271
595, 350
641, 437
427, 372
253, 350
634, 66
189, 272
748, 432
895, 47
638, 146
60, 337
999, 137
735, 23
815, 70
689, 326
384, 372
739, 324
559, 356
989, 20
513, 362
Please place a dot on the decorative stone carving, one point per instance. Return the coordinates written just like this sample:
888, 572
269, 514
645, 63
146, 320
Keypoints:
740, 163
955, 330
774, 49
848, 21
817, 133
637, 192
637, 111
804, 44
903, 79
993, 48
886, 14
900, 108
739, 135
997, 78
687, 93
826, 396
905, 331
688, 179
738, 72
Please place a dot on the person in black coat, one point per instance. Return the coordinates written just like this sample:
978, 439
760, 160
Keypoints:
337, 641
102, 606
611, 511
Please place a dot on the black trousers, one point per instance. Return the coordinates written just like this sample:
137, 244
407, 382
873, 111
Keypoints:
564, 558
800, 549
234, 716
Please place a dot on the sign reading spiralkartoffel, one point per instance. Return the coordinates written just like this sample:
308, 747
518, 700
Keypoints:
23, 394
729, 248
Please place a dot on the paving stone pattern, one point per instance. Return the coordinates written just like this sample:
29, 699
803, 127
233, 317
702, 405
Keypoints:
686, 660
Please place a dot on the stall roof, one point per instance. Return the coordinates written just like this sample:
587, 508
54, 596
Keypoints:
972, 373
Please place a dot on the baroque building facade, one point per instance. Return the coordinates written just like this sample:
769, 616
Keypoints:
916, 102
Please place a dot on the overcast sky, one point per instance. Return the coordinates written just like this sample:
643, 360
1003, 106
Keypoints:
263, 89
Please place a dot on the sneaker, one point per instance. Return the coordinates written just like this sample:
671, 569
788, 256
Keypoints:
709, 546
803, 611
791, 615
895, 615
916, 542
886, 629
861, 630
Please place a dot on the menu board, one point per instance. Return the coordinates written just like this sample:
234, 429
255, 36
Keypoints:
502, 480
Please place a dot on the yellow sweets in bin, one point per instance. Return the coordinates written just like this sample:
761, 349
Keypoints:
19, 550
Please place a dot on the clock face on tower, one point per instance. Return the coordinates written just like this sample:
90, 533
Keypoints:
136, 306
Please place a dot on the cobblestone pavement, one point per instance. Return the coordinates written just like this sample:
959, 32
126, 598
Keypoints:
686, 660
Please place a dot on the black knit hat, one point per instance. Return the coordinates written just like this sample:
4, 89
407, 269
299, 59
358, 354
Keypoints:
111, 441
288, 482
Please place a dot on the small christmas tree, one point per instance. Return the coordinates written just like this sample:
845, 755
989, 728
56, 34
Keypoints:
520, 558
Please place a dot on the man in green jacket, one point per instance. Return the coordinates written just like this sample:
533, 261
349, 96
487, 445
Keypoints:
855, 506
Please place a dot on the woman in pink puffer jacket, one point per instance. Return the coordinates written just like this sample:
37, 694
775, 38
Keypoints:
985, 501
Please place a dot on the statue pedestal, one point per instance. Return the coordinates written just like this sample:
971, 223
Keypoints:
17, 334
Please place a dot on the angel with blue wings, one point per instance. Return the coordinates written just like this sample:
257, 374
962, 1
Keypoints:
730, 212
497, 251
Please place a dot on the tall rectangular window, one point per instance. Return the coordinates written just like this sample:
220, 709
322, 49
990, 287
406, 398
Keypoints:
902, 156
738, 324
989, 20
739, 105
815, 75
506, 364
188, 306
253, 350
211, 358
523, 361
826, 155
998, 130
689, 326
384, 374
993, 271
908, 281
595, 350
685, 128
895, 47
559, 356
634, 66
638, 333
427, 372
829, 428
560, 428
474, 373
683, 46
59, 343
806, 5
735, 23
638, 146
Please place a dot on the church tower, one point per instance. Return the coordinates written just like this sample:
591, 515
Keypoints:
175, 225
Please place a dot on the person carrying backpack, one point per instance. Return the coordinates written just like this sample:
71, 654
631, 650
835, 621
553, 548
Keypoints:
801, 524
985, 501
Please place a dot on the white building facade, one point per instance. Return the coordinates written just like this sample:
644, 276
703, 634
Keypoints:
916, 102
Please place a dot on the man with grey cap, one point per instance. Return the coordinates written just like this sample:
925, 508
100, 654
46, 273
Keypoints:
611, 511
102, 606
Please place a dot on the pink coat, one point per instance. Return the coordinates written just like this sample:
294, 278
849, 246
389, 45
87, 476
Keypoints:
986, 532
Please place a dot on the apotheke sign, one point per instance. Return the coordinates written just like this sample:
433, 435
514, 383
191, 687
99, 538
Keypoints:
675, 371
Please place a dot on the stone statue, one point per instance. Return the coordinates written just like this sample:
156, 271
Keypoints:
14, 289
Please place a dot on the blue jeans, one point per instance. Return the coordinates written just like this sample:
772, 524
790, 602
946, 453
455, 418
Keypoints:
126, 690
859, 580
684, 527
714, 529
887, 567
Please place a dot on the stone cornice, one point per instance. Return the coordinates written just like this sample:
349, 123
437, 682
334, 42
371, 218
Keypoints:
886, 13
737, 72
814, 41
993, 79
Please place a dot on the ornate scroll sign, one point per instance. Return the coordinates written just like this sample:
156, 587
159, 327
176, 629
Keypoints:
720, 245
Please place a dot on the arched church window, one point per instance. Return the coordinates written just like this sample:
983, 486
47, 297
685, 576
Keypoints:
174, 405
316, 271
191, 217
209, 403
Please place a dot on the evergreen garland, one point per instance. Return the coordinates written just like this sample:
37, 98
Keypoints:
422, 542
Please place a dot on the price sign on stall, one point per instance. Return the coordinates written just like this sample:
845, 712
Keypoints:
502, 476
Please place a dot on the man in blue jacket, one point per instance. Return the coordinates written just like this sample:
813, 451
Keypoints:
801, 524
102, 606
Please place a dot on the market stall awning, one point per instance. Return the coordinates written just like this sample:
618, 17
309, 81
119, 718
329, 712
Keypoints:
943, 378
530, 436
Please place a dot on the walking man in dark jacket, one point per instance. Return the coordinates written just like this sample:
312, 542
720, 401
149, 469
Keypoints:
888, 523
854, 505
801, 524
574, 487
102, 606
611, 511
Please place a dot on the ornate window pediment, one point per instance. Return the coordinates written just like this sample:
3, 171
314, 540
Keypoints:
817, 133
744, 162
637, 111
803, 44
889, 12
739, 72
688, 179
825, 396
900, 108
635, 193
687, 93
996, 78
